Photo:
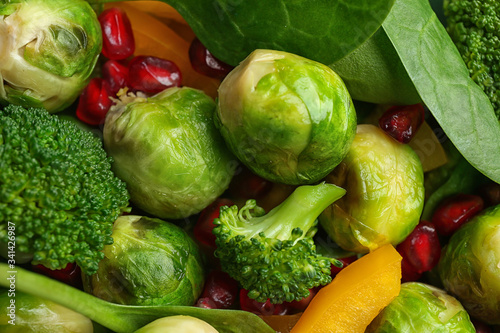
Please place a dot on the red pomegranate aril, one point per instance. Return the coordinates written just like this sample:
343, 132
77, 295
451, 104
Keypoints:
94, 102
421, 249
301, 305
220, 290
204, 225
455, 211
205, 63
402, 122
259, 308
116, 74
345, 262
71, 274
481, 327
117, 37
490, 194
153, 75
408, 272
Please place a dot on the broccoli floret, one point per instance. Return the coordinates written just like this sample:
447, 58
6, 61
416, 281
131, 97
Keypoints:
273, 255
57, 189
474, 26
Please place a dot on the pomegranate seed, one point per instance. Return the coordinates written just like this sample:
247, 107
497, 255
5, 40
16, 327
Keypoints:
204, 225
481, 327
247, 185
421, 249
115, 74
152, 75
455, 211
490, 194
71, 274
205, 303
259, 308
117, 37
345, 262
94, 102
205, 63
220, 291
402, 122
408, 272
303, 303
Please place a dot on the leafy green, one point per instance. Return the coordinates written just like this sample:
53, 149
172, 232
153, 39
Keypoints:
325, 31
126, 318
442, 81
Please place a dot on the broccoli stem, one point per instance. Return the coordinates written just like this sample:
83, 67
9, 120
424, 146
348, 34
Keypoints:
299, 210
124, 318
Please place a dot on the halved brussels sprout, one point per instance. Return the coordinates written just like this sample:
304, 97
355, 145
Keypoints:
168, 151
151, 262
420, 307
48, 50
24, 313
470, 266
385, 193
289, 119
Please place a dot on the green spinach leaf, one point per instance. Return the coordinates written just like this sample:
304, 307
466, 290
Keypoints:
321, 30
124, 318
442, 80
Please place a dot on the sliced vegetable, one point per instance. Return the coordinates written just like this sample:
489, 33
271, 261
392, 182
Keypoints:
125, 318
356, 295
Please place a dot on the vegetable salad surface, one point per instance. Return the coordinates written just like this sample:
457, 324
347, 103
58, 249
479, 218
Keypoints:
234, 166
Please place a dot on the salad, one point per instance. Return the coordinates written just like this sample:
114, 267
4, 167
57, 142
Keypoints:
232, 166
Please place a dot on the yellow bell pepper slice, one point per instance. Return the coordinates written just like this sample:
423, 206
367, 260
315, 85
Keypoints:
355, 296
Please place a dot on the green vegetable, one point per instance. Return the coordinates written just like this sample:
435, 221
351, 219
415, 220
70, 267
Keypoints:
184, 324
49, 49
469, 266
442, 81
424, 48
58, 195
126, 318
151, 262
456, 176
231, 29
384, 185
168, 151
384, 80
30, 314
474, 27
289, 119
273, 255
421, 307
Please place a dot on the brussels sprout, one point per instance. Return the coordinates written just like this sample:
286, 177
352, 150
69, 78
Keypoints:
289, 119
48, 51
385, 193
168, 151
470, 266
421, 307
184, 324
23, 313
151, 262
